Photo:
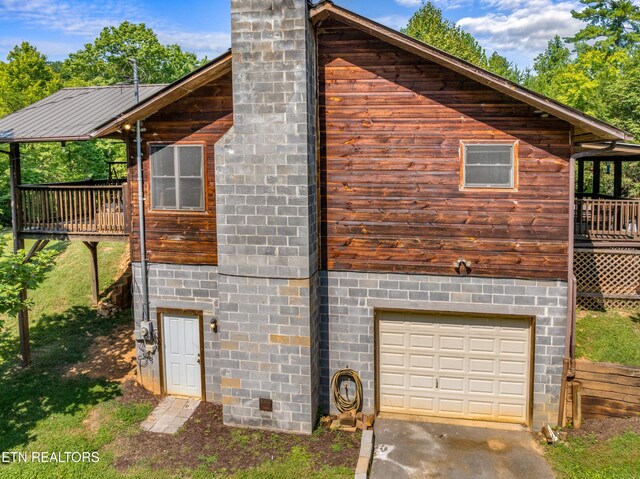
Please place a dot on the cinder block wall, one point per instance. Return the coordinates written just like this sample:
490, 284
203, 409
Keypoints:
348, 302
189, 287
266, 220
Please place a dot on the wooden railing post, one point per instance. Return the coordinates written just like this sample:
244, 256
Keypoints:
95, 284
576, 403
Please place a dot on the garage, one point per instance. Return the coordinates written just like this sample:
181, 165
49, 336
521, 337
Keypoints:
454, 366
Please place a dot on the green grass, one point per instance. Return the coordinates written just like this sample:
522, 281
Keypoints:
42, 409
587, 458
611, 337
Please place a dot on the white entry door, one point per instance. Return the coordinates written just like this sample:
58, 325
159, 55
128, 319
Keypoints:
181, 334
463, 367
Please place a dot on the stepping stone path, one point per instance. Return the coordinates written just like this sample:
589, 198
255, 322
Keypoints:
170, 415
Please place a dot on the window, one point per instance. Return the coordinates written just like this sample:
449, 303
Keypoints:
489, 165
177, 178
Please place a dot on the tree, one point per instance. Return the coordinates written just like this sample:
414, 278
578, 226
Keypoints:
17, 274
613, 24
429, 26
503, 67
106, 61
548, 65
25, 78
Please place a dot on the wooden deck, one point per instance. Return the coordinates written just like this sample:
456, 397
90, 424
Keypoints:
607, 221
87, 211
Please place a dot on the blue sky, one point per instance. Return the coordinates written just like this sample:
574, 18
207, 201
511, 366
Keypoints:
517, 29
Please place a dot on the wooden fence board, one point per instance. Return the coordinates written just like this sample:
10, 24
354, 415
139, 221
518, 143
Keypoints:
608, 390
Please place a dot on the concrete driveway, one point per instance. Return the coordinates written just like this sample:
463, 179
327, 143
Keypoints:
421, 450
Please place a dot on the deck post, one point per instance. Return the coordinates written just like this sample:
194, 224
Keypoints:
580, 178
95, 283
596, 178
18, 244
617, 178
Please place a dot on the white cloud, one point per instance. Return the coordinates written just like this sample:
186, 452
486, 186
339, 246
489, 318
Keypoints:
442, 4
71, 17
409, 3
521, 29
394, 21
210, 44
84, 19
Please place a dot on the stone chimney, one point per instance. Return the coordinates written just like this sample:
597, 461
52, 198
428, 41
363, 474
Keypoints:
267, 221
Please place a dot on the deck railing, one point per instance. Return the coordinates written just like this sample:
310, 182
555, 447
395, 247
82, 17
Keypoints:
599, 219
82, 208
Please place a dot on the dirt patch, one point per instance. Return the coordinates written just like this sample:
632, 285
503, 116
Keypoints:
133, 393
112, 357
603, 429
205, 440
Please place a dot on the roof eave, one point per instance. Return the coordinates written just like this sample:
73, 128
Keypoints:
167, 95
605, 131
52, 139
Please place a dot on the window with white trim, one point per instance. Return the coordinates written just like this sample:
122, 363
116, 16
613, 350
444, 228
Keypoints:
489, 165
177, 177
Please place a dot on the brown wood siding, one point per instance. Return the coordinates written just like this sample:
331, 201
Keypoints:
201, 117
391, 126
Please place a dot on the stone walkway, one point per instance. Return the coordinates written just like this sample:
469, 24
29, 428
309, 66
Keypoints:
170, 415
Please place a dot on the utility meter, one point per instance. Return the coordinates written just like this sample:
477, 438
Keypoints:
144, 333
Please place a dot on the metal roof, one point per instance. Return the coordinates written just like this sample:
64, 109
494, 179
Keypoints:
71, 113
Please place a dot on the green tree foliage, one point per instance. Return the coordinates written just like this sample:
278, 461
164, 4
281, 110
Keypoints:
503, 67
25, 78
106, 61
601, 76
429, 26
611, 24
17, 274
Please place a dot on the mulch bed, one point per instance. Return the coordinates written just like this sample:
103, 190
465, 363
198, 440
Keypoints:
133, 393
604, 429
204, 439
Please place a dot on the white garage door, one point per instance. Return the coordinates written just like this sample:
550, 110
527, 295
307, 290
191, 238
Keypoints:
454, 366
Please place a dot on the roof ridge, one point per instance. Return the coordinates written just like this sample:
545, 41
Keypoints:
87, 87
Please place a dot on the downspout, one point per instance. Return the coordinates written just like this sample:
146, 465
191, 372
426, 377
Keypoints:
143, 248
572, 296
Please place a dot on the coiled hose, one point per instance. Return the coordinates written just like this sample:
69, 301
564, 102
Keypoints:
343, 403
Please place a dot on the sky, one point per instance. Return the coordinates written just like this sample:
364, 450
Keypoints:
517, 29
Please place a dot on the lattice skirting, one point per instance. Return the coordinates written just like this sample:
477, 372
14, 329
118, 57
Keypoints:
603, 304
608, 279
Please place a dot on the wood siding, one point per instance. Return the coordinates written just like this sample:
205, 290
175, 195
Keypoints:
201, 117
391, 126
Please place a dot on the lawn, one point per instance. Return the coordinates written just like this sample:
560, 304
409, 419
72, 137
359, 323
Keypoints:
612, 337
50, 407
608, 449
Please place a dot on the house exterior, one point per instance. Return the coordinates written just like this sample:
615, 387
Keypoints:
332, 193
